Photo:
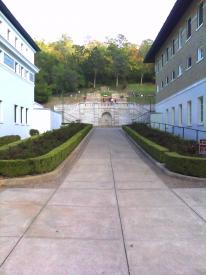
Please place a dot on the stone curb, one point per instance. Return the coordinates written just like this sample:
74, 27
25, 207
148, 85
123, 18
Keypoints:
162, 166
53, 176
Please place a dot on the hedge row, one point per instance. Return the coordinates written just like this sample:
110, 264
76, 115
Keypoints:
190, 166
45, 163
185, 165
8, 139
155, 150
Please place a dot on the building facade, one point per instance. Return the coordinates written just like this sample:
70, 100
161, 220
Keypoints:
17, 75
180, 66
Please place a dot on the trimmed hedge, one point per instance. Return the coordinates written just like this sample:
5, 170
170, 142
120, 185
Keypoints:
190, 166
155, 150
8, 139
45, 163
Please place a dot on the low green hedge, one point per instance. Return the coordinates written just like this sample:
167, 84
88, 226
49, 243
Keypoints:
45, 163
155, 150
8, 139
190, 166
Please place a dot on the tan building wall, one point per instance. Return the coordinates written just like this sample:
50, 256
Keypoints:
189, 49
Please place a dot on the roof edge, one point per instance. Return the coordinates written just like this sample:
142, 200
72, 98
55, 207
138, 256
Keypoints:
172, 20
18, 26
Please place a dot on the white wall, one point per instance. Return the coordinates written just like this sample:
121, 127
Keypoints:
45, 120
15, 91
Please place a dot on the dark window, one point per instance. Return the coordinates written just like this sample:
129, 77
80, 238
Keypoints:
31, 77
189, 28
26, 115
167, 54
173, 47
200, 15
21, 114
162, 58
173, 75
189, 62
15, 113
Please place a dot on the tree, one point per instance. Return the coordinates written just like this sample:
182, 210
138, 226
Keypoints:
146, 69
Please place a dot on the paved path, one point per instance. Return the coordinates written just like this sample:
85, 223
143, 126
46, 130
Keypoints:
113, 214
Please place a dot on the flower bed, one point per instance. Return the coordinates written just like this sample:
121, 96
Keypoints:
26, 164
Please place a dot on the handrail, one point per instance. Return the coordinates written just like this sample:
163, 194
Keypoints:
179, 127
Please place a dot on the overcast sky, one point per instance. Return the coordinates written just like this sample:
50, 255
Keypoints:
94, 19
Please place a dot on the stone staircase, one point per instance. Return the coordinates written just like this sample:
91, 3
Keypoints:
94, 113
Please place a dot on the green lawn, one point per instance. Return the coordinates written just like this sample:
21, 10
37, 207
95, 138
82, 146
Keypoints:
143, 94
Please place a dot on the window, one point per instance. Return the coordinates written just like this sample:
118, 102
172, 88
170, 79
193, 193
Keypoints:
167, 54
15, 113
180, 70
21, 71
173, 116
180, 39
200, 54
167, 80
200, 15
162, 84
8, 34
180, 115
189, 28
8, 61
167, 116
15, 42
158, 88
25, 74
189, 62
31, 77
22, 46
173, 75
189, 113
1, 111
173, 47
200, 110
27, 110
16, 67
162, 59
21, 114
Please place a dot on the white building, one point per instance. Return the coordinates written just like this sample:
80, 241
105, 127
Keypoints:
17, 75
44, 119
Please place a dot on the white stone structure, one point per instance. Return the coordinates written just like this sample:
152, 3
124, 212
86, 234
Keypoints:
17, 75
44, 119
104, 114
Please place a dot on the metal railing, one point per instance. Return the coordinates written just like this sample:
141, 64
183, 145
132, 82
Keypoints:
182, 130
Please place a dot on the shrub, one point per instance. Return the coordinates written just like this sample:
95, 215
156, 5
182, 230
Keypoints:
40, 145
191, 166
173, 143
44, 163
8, 139
155, 150
33, 132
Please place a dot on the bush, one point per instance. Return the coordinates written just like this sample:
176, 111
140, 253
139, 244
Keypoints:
8, 139
44, 163
40, 145
185, 165
155, 150
173, 143
34, 132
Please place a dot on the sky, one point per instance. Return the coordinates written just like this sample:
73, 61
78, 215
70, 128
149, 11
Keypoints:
85, 20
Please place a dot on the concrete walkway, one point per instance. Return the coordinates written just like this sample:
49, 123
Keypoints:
113, 214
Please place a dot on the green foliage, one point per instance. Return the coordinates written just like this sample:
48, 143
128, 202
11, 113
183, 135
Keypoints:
40, 145
155, 150
190, 166
8, 139
173, 143
33, 132
44, 163
65, 67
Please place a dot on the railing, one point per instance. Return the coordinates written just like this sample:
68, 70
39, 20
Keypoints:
182, 130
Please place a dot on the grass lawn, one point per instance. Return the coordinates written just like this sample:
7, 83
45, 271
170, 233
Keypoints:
143, 94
